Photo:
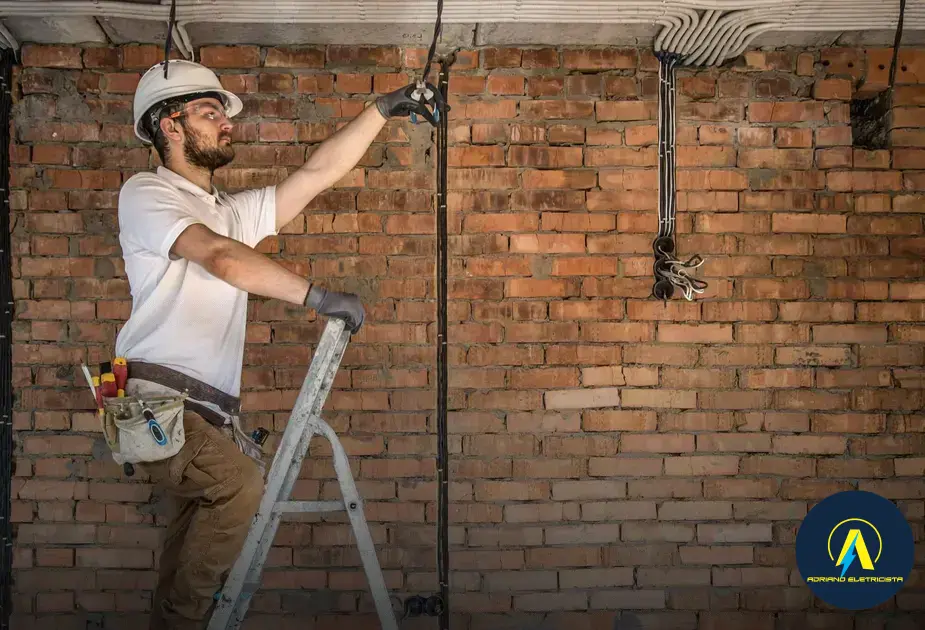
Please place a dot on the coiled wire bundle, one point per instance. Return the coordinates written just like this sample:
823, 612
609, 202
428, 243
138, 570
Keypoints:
670, 272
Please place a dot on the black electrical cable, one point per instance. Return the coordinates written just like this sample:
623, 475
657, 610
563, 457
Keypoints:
872, 116
6, 345
669, 272
172, 20
438, 26
896, 42
443, 534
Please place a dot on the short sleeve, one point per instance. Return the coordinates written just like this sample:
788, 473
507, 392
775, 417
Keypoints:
256, 211
152, 214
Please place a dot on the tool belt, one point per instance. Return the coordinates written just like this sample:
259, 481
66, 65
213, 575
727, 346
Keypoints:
193, 388
142, 424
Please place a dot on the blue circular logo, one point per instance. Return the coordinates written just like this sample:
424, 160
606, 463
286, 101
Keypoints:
855, 550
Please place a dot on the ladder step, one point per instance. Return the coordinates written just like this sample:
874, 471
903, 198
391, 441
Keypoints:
293, 507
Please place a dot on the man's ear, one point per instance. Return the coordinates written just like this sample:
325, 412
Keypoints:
171, 128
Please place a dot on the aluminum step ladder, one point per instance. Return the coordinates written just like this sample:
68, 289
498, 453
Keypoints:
304, 424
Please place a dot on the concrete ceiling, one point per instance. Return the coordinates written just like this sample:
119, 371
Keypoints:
110, 30
410, 22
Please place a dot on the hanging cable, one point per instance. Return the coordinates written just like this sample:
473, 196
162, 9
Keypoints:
669, 271
438, 27
436, 98
443, 534
6, 341
896, 42
872, 116
171, 24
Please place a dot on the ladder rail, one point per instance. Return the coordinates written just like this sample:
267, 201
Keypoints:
294, 444
353, 503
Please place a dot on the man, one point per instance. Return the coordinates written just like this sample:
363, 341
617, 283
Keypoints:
190, 261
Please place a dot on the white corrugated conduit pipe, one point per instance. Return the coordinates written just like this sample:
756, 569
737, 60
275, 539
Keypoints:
6, 39
730, 35
705, 32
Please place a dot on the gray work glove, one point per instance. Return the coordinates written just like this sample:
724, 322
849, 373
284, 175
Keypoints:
345, 306
400, 103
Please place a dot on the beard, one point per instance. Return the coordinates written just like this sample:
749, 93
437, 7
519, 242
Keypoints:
200, 154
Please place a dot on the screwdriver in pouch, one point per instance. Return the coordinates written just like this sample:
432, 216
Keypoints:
120, 371
107, 381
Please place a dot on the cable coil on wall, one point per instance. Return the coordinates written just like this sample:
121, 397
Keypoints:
670, 272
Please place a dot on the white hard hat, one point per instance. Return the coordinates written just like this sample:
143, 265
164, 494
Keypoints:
184, 78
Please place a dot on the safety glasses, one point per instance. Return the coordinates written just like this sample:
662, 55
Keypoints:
210, 112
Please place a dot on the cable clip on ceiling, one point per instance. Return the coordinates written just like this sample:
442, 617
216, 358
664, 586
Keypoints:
670, 272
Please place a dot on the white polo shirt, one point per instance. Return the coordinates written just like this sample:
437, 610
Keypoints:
183, 317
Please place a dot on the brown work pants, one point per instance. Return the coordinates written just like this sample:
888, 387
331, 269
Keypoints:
215, 491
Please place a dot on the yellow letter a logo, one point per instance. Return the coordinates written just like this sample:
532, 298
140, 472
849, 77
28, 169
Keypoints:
854, 547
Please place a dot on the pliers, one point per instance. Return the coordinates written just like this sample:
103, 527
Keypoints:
424, 94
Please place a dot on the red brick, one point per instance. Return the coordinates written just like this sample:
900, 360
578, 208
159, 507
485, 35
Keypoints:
230, 56
695, 333
833, 89
626, 110
354, 83
102, 58
545, 157
809, 223
121, 82
909, 158
871, 159
601, 59
697, 86
773, 87
769, 60
776, 158
833, 136
540, 58
620, 86
732, 223
790, 137
908, 137
698, 112
477, 178
50, 154
501, 84
781, 111
787, 378
142, 57
864, 180
583, 85
547, 110
294, 58
545, 86
640, 135
364, 56
711, 134
501, 58
834, 158
566, 134
756, 136
711, 180
35, 55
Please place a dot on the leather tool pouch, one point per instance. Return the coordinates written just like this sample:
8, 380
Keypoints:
143, 429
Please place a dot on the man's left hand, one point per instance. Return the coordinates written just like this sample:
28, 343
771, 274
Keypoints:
401, 103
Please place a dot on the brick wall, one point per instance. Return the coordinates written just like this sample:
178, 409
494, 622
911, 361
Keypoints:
609, 452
